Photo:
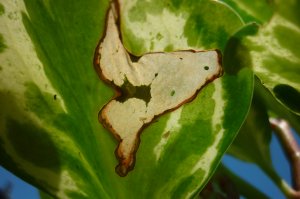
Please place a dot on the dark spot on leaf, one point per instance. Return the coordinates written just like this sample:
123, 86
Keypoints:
166, 135
159, 36
2, 44
134, 58
172, 93
169, 48
41, 103
2, 10
143, 119
180, 58
156, 74
130, 91
206, 67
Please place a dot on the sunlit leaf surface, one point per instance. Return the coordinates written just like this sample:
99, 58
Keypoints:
50, 97
275, 55
259, 11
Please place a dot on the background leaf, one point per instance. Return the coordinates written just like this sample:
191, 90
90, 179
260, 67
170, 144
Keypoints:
252, 142
275, 54
275, 108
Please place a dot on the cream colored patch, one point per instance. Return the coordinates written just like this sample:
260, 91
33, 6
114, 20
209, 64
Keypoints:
66, 185
208, 157
172, 79
206, 160
19, 60
171, 127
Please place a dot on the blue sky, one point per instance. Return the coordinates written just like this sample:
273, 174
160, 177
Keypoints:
256, 177
19, 187
249, 172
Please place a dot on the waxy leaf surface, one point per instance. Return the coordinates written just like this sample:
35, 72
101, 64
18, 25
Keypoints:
148, 87
275, 55
259, 11
50, 98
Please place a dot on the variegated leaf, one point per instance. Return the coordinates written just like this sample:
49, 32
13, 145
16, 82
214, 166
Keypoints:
252, 10
275, 56
50, 98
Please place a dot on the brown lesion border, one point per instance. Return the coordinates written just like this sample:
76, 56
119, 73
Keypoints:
118, 91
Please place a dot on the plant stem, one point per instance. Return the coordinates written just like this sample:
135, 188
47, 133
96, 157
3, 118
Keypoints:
292, 151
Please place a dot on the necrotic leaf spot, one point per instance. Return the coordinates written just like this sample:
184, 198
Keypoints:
147, 87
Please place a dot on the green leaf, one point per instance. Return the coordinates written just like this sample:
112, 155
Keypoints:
274, 107
51, 95
176, 25
252, 142
43, 195
252, 10
275, 54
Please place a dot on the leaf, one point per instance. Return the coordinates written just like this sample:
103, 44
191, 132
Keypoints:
48, 110
274, 107
43, 195
252, 10
175, 25
50, 97
252, 142
275, 54
147, 87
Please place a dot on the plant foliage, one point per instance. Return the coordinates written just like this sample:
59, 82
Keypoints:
50, 94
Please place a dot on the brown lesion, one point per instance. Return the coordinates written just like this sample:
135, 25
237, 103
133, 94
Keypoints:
146, 86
